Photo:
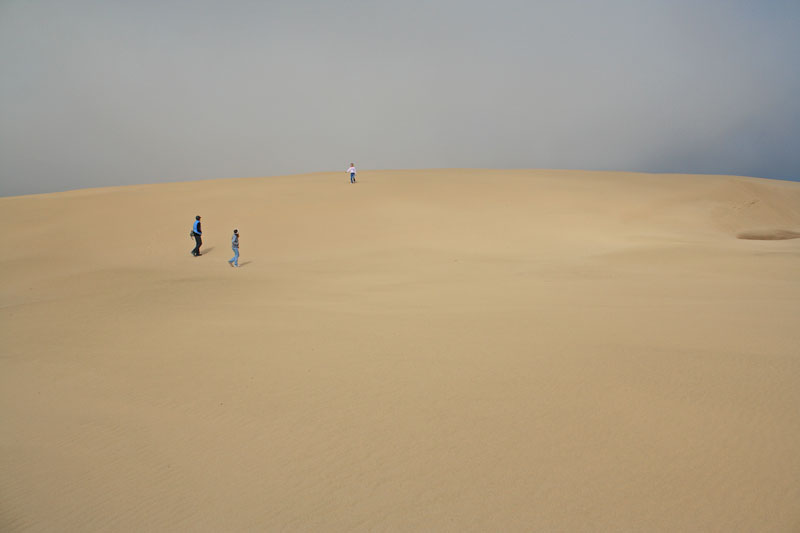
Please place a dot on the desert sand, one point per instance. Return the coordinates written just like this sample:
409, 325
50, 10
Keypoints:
441, 350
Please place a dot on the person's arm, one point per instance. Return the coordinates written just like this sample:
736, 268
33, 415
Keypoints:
199, 231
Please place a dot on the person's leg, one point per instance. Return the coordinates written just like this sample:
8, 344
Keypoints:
236, 257
199, 241
232, 259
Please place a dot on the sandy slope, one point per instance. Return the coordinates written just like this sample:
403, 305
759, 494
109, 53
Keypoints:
425, 350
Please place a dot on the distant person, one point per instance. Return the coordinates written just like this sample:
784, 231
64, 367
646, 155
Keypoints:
234, 262
197, 233
352, 171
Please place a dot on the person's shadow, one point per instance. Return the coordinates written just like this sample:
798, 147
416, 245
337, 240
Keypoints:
206, 250
243, 263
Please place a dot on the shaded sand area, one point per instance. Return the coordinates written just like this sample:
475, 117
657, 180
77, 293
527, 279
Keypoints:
441, 350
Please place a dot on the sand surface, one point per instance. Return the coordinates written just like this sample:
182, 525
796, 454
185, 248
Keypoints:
448, 350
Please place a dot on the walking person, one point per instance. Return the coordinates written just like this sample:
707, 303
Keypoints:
352, 171
234, 262
197, 233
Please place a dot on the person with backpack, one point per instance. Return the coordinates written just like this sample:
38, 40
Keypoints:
234, 261
197, 234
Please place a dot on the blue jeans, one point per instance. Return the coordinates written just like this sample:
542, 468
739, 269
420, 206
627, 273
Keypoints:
352, 177
198, 242
235, 259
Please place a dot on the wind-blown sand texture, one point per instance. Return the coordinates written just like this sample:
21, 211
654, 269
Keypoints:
440, 350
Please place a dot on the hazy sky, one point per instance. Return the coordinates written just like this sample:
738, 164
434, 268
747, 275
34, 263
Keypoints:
111, 92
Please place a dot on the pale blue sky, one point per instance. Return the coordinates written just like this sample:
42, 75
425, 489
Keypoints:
119, 92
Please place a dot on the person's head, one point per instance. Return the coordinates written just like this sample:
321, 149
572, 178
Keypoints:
236, 231
197, 217
352, 164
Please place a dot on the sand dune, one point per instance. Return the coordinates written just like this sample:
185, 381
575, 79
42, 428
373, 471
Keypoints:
426, 350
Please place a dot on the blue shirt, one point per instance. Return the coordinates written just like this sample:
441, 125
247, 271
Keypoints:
196, 227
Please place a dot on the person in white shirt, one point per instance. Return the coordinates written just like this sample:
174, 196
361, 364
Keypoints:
352, 171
